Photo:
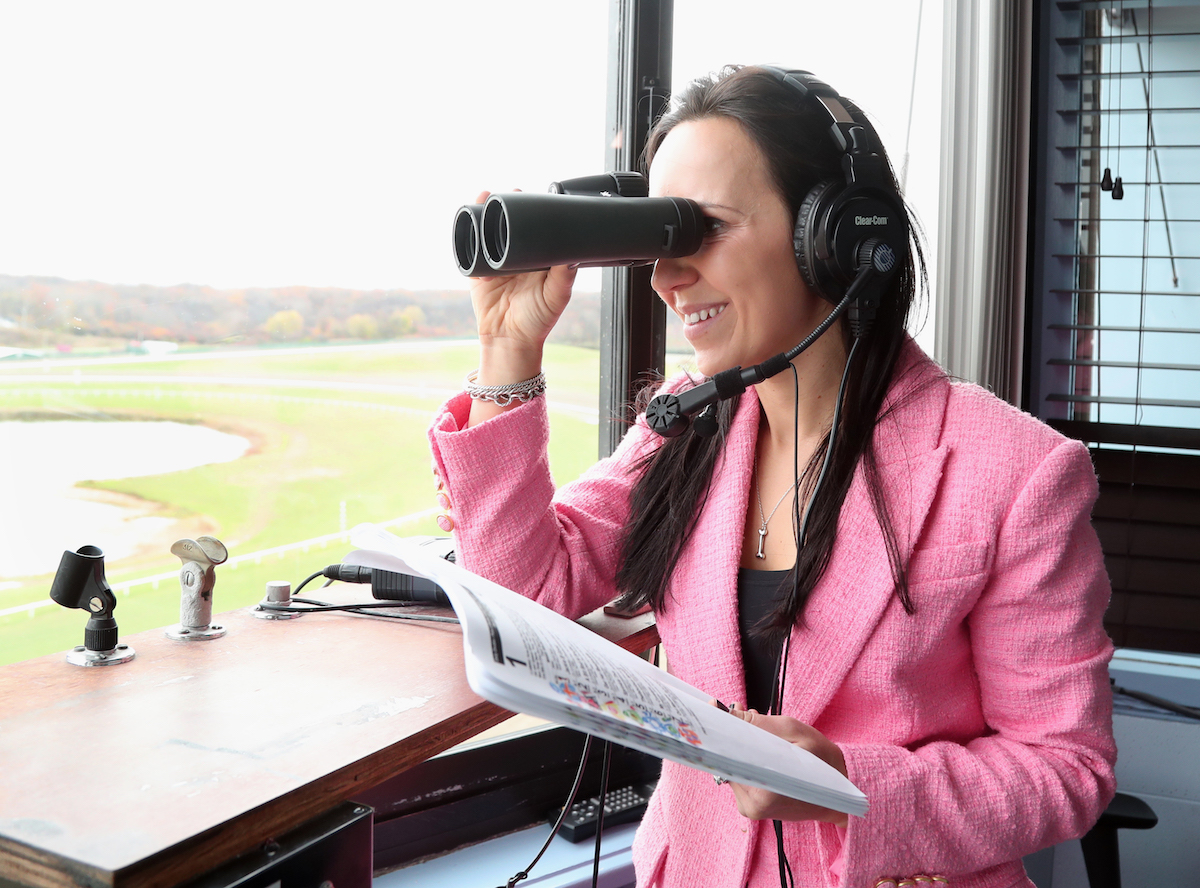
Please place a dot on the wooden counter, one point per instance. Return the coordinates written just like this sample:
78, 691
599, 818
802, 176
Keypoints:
149, 773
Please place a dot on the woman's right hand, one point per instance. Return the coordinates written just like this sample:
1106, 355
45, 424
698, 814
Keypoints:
519, 311
514, 314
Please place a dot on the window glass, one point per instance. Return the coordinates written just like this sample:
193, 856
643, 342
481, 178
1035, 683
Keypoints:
228, 304
1138, 266
885, 56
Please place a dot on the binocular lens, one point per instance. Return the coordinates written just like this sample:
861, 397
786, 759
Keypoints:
495, 233
468, 247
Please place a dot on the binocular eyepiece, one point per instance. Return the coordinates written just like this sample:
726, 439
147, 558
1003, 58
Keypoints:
601, 220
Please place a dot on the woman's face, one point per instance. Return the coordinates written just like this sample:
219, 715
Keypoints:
740, 297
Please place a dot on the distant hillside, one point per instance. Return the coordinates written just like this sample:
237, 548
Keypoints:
43, 312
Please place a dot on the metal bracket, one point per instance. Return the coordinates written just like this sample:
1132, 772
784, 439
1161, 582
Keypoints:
197, 578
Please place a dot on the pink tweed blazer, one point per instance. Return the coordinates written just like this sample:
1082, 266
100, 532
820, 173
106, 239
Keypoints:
979, 728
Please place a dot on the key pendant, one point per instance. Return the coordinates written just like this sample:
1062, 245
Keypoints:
762, 537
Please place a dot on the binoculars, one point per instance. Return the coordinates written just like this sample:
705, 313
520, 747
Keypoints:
603, 220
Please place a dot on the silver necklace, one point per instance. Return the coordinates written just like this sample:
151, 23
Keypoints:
766, 519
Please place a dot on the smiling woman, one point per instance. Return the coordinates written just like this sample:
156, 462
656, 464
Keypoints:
744, 282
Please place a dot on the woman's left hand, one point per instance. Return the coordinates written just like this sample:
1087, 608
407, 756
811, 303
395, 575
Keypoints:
762, 804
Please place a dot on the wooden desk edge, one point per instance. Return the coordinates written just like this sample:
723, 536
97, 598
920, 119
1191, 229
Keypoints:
27, 865
213, 847
210, 849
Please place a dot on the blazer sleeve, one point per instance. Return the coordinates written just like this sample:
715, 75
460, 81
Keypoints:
561, 549
1044, 772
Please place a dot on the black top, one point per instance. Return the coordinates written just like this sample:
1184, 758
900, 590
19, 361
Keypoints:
758, 594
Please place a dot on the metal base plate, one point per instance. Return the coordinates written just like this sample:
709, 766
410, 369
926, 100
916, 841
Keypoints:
186, 633
81, 656
264, 614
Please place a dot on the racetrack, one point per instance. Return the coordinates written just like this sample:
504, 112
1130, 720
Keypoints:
338, 437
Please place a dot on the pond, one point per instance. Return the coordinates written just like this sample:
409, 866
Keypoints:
42, 513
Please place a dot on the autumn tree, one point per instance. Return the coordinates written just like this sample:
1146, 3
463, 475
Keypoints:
284, 325
405, 321
362, 326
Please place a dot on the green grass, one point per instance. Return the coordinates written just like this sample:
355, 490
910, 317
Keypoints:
318, 454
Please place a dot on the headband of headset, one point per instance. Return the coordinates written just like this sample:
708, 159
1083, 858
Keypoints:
838, 217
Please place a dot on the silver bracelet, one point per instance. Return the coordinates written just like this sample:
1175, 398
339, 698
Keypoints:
503, 395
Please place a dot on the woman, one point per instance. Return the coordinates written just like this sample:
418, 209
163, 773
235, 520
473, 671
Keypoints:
940, 629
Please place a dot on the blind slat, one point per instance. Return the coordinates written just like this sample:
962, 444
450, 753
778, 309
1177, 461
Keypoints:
1108, 328
1091, 291
1130, 365
1115, 399
1126, 433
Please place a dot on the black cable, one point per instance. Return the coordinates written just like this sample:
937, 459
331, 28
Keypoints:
669, 414
837, 414
776, 706
386, 585
318, 605
786, 879
310, 578
600, 812
524, 874
314, 607
812, 337
802, 534
1160, 702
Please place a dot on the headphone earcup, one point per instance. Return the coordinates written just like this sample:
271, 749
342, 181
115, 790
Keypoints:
809, 222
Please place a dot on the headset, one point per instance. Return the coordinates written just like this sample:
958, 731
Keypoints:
850, 238
839, 218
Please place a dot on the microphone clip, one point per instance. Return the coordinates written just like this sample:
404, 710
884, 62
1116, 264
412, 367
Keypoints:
705, 424
80, 583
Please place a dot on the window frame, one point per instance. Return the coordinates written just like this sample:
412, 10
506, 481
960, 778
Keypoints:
513, 781
633, 320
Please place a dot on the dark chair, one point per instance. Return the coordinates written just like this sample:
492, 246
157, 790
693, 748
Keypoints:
1100, 854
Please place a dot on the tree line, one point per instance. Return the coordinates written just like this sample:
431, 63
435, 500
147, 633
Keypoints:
40, 312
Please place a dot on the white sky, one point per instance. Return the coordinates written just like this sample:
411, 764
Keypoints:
268, 143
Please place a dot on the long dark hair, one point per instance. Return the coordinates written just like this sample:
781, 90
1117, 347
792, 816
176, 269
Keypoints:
671, 492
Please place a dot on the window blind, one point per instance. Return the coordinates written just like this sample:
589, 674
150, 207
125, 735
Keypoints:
1123, 332
1114, 330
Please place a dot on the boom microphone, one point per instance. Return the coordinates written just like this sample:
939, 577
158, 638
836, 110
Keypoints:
670, 414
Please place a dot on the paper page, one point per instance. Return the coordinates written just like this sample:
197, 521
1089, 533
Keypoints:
526, 658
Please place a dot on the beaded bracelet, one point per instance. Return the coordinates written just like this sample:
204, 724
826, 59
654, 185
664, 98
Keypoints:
503, 395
